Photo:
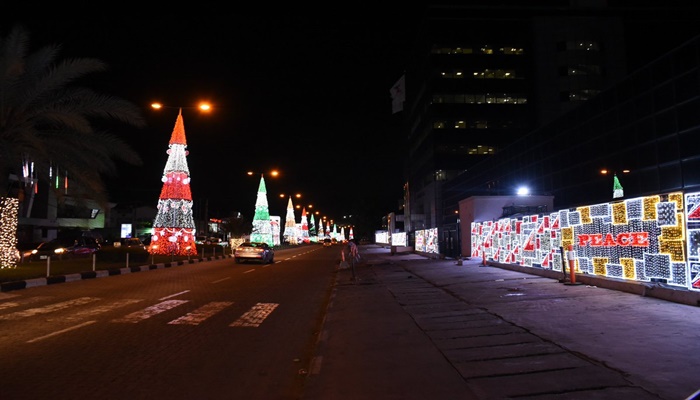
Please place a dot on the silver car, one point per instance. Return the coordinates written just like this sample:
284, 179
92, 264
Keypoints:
254, 251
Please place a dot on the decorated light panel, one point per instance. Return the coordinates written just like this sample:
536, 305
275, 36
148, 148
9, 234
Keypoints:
641, 239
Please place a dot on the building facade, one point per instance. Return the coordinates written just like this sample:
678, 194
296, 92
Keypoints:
484, 77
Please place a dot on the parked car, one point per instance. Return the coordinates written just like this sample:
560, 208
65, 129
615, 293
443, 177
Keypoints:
254, 251
65, 248
132, 242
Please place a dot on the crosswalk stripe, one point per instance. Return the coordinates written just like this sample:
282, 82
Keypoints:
150, 311
200, 314
10, 304
100, 309
48, 309
256, 315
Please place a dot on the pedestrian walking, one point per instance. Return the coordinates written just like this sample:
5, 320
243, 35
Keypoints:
353, 251
350, 254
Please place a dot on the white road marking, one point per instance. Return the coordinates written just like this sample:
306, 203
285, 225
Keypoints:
48, 309
150, 311
173, 295
221, 280
256, 315
99, 309
30, 300
200, 314
250, 270
61, 331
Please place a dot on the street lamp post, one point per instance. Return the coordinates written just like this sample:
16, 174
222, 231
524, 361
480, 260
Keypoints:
202, 106
174, 227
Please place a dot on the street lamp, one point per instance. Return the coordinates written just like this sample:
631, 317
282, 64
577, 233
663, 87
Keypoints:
202, 106
273, 172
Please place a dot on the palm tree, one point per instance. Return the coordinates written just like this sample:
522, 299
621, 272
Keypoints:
48, 120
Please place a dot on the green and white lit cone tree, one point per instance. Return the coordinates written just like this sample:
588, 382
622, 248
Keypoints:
312, 229
173, 227
618, 192
262, 225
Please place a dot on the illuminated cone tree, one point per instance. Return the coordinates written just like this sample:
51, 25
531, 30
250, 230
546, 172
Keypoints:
304, 227
290, 226
262, 225
312, 228
173, 227
617, 188
9, 217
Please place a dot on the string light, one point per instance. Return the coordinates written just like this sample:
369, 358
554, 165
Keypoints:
636, 239
9, 213
173, 227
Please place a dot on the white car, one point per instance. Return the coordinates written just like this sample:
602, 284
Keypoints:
254, 251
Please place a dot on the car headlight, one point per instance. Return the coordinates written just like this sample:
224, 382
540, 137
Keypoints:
60, 250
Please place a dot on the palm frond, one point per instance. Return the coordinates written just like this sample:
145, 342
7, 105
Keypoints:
47, 118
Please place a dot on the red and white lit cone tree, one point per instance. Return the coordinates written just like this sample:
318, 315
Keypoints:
304, 227
173, 227
290, 225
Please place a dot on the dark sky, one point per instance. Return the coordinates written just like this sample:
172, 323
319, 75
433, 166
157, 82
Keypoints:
308, 98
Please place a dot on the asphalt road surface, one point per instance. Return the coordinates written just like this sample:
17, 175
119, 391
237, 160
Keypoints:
212, 330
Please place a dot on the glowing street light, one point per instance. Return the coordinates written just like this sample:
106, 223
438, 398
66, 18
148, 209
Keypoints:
273, 173
523, 191
202, 106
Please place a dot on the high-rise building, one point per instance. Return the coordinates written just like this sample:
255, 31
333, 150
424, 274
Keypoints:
483, 76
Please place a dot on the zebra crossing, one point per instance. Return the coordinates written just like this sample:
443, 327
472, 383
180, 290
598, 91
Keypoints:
96, 306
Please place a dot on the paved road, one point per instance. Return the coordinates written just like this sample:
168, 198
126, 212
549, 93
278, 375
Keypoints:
409, 327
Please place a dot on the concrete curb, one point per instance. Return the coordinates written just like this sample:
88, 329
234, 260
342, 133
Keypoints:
50, 280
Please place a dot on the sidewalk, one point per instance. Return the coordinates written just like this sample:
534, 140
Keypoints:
410, 327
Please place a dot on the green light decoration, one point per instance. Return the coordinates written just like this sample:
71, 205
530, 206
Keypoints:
618, 192
262, 224
312, 228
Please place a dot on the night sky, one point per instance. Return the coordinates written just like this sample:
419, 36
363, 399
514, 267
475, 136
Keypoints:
308, 98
